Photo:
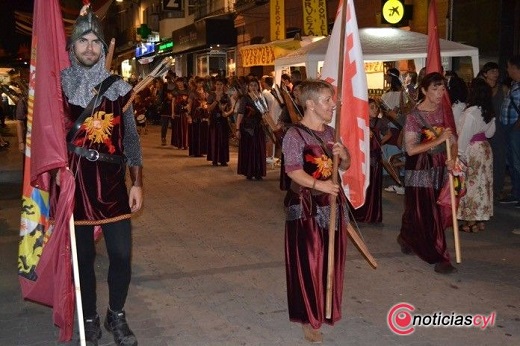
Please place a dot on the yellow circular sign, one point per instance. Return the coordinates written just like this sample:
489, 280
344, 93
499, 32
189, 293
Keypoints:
393, 11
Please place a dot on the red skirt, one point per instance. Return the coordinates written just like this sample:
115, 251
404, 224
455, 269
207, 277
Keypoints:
306, 249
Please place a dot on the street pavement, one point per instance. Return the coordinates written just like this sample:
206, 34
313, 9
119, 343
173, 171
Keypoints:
208, 267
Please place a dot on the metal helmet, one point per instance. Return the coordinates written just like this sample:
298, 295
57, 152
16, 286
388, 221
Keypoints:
85, 24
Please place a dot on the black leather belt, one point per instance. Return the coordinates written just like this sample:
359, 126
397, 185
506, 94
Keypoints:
94, 155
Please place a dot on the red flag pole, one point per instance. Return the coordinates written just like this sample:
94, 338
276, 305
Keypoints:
335, 167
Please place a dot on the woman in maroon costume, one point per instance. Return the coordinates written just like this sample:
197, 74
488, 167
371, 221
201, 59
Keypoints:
426, 131
180, 115
308, 149
372, 210
198, 129
219, 107
251, 134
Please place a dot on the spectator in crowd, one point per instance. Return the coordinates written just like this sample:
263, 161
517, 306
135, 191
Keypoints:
458, 92
510, 118
392, 104
490, 73
477, 125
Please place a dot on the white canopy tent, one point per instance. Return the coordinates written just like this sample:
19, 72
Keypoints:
378, 44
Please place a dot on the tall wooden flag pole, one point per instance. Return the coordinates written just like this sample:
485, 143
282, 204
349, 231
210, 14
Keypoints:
344, 69
335, 167
453, 208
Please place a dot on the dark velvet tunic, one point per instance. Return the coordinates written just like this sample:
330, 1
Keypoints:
307, 232
198, 129
218, 140
101, 194
180, 119
252, 147
422, 228
372, 210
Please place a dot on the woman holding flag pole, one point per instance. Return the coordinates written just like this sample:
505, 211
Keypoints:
308, 149
422, 228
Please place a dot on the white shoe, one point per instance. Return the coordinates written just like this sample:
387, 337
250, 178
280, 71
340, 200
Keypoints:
394, 188
390, 188
399, 190
516, 231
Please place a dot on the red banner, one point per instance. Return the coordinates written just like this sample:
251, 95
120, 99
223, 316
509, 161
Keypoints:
354, 125
47, 278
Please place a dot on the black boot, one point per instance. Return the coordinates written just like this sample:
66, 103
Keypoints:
116, 324
92, 330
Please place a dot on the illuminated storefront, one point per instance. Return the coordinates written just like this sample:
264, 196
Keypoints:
205, 48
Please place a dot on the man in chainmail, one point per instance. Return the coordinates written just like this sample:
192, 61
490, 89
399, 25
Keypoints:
102, 141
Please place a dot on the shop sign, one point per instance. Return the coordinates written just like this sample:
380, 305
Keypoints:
257, 56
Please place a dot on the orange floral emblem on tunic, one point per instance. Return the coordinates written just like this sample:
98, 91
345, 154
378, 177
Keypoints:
428, 134
99, 126
323, 165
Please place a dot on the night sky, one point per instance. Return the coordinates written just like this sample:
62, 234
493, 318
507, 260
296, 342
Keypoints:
9, 38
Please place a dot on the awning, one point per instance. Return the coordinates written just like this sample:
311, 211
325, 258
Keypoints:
379, 44
265, 54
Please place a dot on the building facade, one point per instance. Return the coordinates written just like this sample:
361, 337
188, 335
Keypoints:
205, 37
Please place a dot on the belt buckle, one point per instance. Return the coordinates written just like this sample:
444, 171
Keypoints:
92, 155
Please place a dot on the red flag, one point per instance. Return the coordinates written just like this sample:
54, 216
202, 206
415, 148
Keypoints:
48, 279
434, 64
354, 125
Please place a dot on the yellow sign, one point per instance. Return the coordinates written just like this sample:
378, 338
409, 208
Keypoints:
257, 56
393, 11
373, 67
264, 54
277, 14
315, 18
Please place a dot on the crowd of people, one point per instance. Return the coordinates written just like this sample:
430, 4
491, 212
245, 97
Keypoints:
205, 114
292, 122
409, 123
484, 139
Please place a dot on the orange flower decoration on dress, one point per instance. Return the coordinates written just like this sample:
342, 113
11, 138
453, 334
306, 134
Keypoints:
99, 126
429, 135
323, 165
